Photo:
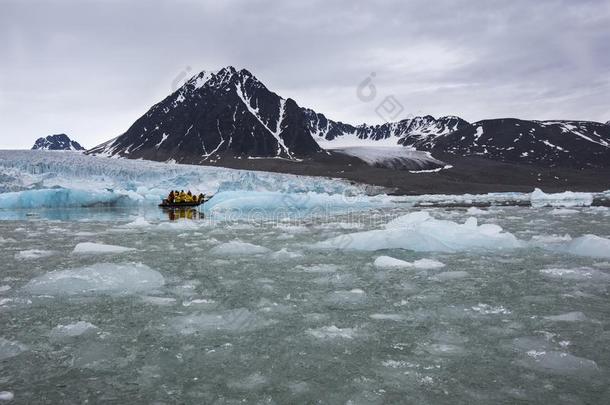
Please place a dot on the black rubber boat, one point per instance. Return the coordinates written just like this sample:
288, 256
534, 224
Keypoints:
166, 204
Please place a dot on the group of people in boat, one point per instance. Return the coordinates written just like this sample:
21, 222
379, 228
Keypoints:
178, 197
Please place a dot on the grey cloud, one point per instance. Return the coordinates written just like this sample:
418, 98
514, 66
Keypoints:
90, 68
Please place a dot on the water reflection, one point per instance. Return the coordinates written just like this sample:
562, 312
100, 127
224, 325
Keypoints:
175, 214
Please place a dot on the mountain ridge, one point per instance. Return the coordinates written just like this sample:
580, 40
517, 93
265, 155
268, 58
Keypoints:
57, 142
230, 114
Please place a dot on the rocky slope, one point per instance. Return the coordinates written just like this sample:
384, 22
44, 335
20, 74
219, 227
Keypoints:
576, 144
56, 142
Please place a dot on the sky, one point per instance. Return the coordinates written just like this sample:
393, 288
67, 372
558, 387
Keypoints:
91, 68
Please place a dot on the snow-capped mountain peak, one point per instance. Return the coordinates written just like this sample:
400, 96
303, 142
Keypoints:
57, 142
216, 115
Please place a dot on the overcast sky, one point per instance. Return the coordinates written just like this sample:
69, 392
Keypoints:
91, 68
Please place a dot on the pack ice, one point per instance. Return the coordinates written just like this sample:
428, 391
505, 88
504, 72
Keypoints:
420, 232
100, 278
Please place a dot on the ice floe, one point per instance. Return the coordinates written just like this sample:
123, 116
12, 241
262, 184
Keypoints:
235, 320
565, 199
332, 332
575, 316
387, 317
99, 248
576, 274
100, 278
385, 262
9, 348
420, 232
33, 254
238, 248
72, 330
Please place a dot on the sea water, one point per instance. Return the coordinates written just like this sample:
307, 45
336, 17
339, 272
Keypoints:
267, 308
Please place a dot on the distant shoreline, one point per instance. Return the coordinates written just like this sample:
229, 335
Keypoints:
469, 175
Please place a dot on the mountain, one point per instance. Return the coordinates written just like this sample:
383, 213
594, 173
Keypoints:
215, 115
227, 115
56, 142
578, 144
332, 134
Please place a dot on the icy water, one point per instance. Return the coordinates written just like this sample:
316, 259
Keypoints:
205, 311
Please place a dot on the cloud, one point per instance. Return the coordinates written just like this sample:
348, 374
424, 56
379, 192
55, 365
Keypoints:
90, 68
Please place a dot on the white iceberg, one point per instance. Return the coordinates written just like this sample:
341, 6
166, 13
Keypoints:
33, 254
565, 199
238, 248
588, 245
420, 232
332, 332
101, 278
73, 330
99, 248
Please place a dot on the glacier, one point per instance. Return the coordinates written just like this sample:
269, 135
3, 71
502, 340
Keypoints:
43, 179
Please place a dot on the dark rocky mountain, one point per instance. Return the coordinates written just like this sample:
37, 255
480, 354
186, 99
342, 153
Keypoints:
214, 115
231, 114
578, 144
56, 142
404, 132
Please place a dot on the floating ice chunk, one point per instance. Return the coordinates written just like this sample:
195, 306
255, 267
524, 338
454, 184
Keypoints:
565, 199
4, 288
560, 363
99, 248
6, 396
318, 268
589, 245
197, 301
563, 211
390, 262
162, 301
33, 254
577, 274
10, 348
347, 297
387, 317
450, 275
284, 254
73, 330
428, 264
385, 262
236, 320
238, 248
420, 232
548, 239
568, 317
487, 309
332, 332
101, 278
476, 211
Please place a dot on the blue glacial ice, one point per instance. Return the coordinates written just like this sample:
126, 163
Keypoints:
39, 179
420, 232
